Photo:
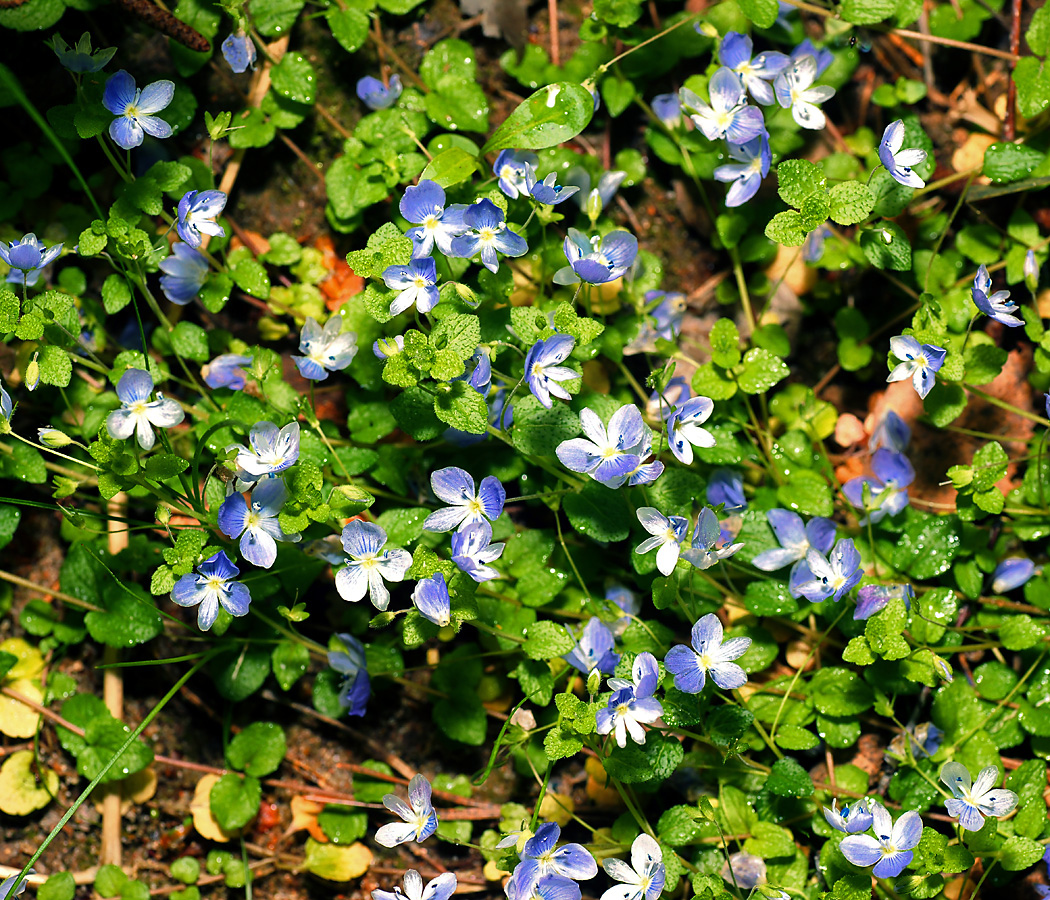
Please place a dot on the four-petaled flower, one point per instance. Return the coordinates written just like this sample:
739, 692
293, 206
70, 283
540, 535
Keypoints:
795, 90
709, 653
417, 283
510, 168
834, 575
547, 191
270, 450
486, 233
972, 802
1011, 573
746, 174
376, 95
887, 492
185, 272
726, 487
197, 212
239, 51
544, 369
728, 115
473, 550
324, 350
80, 59
996, 306
892, 432
213, 586
644, 878
890, 850
27, 259
795, 542
632, 703
667, 532
898, 162
710, 544
368, 565
542, 856
138, 414
424, 206
594, 650
596, 261
918, 362
441, 888
255, 522
852, 819
350, 662
466, 506
432, 600
735, 52
420, 819
683, 427
135, 109
607, 455
225, 371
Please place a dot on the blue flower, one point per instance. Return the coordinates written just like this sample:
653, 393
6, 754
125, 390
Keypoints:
473, 550
667, 532
239, 51
644, 878
594, 650
456, 487
996, 306
213, 586
324, 350
852, 820
892, 432
1030, 270
256, 524
525, 884
726, 487
547, 191
683, 427
424, 206
898, 162
368, 566
833, 576
728, 115
971, 803
185, 272
735, 53
441, 888
138, 414
795, 91
197, 212
270, 450
813, 248
376, 95
541, 856
890, 850
135, 109
663, 321
796, 541
710, 654
822, 57
431, 599
628, 602
918, 362
710, 544
27, 259
510, 168
225, 371
384, 348
420, 819
886, 491
594, 261
873, 598
1011, 573
80, 59
632, 704
487, 233
746, 174
416, 282
644, 472
356, 687
6, 407
607, 455
744, 869
544, 370
7, 887
668, 109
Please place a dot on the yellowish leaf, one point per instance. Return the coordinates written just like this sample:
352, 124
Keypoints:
30, 660
203, 821
336, 862
16, 719
20, 792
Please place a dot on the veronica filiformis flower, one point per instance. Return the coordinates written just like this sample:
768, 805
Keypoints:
138, 414
667, 532
632, 704
524, 884
728, 116
270, 451
668, 109
898, 162
710, 544
972, 802
710, 654
239, 51
594, 260
919, 362
891, 849
544, 371
376, 95
683, 428
1011, 573
185, 272
833, 576
368, 565
441, 888
256, 523
594, 649
607, 455
27, 258
822, 56
996, 306
547, 191
486, 234
324, 350
510, 168
886, 493
424, 206
417, 283
351, 664
726, 487
746, 174
542, 856
432, 600
456, 487
795, 90
850, 819
213, 586
644, 878
6, 406
892, 432
225, 371
197, 212
873, 598
473, 550
134, 109
796, 540
420, 819
756, 74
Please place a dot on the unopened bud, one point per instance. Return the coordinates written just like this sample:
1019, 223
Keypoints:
594, 681
707, 30
32, 376
163, 515
594, 205
1031, 270
53, 438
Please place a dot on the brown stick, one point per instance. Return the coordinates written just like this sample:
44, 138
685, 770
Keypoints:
1010, 125
552, 14
165, 22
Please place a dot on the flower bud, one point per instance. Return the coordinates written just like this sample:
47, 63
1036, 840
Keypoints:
163, 515
53, 438
594, 205
594, 681
1031, 270
32, 376
707, 29
384, 348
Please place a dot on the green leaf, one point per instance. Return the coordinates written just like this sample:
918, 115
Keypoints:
130, 617
598, 512
1019, 853
1021, 632
55, 365
59, 886
797, 179
234, 800
807, 492
886, 247
552, 115
761, 370
984, 362
851, 202
840, 692
656, 759
788, 779
341, 824
462, 717
191, 341
815, 210
386, 247
1005, 162
103, 736
867, 12
547, 640
989, 466
240, 672
619, 13
290, 660
786, 228
294, 78
258, 749
1032, 77
762, 12
115, 292
711, 381
450, 167
538, 431
250, 276
725, 343
462, 407
349, 27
